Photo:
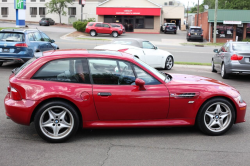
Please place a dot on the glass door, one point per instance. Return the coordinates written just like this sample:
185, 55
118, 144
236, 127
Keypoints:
129, 23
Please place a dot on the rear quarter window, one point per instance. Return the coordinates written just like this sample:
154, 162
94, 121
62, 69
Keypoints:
91, 24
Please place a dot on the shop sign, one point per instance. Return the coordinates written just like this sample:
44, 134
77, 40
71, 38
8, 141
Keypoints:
232, 22
128, 11
20, 4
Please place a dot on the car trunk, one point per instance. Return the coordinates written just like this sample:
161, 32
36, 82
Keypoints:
245, 59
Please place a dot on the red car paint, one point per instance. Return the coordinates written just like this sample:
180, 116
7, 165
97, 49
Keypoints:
129, 106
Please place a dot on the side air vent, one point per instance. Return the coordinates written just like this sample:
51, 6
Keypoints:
184, 95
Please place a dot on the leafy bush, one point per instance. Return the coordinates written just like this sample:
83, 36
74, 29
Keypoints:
81, 25
246, 40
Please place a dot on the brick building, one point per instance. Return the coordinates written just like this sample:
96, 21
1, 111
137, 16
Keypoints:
230, 23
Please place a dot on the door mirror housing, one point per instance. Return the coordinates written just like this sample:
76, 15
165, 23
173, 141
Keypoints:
139, 82
156, 47
52, 41
216, 50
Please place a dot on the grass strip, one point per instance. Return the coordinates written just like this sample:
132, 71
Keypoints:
193, 63
93, 39
7, 28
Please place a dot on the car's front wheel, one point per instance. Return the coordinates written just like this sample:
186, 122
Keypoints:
93, 33
213, 70
216, 117
56, 121
114, 34
224, 73
169, 63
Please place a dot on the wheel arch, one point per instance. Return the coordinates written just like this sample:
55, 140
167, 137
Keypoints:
226, 98
55, 99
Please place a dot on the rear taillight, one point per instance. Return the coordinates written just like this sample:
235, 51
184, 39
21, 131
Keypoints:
21, 45
123, 50
202, 34
8, 88
14, 94
189, 34
236, 57
167, 26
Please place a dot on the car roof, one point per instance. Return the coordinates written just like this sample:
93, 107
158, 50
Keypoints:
20, 30
77, 53
194, 27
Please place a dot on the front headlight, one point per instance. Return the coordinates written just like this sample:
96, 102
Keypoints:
239, 98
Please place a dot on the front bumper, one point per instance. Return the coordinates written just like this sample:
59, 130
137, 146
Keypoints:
43, 23
19, 111
241, 112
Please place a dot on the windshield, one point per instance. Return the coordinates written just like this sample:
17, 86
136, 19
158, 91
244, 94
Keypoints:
11, 37
17, 70
161, 75
241, 47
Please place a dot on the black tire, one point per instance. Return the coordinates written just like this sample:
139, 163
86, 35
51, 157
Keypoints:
40, 24
213, 70
165, 32
1, 64
169, 63
48, 24
70, 118
115, 34
224, 73
93, 33
188, 39
205, 115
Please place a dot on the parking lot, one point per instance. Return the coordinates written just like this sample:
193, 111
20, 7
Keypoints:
20, 145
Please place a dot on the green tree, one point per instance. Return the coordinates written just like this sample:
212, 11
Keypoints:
58, 6
228, 4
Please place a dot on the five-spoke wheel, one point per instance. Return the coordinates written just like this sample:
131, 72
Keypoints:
56, 121
216, 116
169, 63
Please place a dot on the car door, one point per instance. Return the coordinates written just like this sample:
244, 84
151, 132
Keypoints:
40, 44
48, 45
153, 55
118, 98
106, 28
98, 27
221, 56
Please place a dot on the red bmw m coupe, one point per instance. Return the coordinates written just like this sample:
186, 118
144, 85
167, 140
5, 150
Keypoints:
63, 90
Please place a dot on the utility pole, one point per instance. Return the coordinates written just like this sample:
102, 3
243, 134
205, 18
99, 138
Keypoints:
215, 20
198, 13
187, 15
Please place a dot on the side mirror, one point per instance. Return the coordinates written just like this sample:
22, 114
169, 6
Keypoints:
139, 82
156, 47
216, 50
52, 41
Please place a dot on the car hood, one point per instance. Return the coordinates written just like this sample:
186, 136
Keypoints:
183, 79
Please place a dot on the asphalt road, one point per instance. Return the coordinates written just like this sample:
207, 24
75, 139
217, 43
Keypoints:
20, 145
181, 53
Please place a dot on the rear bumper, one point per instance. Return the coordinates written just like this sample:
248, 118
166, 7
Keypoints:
19, 111
195, 37
238, 68
7, 57
42, 23
170, 30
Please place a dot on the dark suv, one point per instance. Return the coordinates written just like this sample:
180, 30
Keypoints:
170, 27
20, 45
195, 33
94, 28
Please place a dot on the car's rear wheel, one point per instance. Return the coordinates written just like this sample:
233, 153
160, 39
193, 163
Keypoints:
56, 121
216, 117
93, 33
1, 64
224, 73
114, 34
213, 70
169, 63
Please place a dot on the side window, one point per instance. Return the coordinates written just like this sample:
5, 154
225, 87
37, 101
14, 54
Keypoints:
149, 80
65, 70
147, 45
91, 24
30, 36
45, 37
105, 25
111, 72
227, 48
98, 25
37, 36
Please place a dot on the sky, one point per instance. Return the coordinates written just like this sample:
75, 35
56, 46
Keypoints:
191, 2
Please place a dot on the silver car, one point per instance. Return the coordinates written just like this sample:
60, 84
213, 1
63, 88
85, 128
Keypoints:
232, 58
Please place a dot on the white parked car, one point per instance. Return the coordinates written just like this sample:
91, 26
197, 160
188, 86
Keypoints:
144, 50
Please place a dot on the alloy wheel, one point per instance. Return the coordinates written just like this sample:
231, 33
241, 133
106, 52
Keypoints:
56, 122
217, 117
92, 33
169, 63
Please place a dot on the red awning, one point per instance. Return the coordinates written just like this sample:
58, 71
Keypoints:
128, 11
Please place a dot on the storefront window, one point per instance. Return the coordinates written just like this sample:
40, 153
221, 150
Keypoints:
224, 31
149, 22
248, 30
139, 22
